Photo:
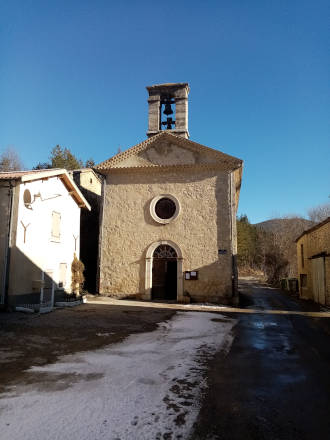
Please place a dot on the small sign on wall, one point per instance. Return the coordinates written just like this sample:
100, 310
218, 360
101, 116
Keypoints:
222, 251
191, 275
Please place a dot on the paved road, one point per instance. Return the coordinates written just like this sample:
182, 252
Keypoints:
275, 381
138, 370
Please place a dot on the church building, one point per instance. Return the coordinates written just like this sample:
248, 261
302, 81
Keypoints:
168, 228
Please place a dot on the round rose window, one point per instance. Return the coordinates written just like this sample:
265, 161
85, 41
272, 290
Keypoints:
164, 208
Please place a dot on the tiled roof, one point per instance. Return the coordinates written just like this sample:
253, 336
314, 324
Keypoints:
13, 175
313, 228
30, 175
217, 155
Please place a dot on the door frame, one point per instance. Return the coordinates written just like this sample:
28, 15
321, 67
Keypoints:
318, 280
149, 263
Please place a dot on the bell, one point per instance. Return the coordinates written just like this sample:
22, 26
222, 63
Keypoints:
168, 109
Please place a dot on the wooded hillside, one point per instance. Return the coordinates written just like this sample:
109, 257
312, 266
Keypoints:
270, 246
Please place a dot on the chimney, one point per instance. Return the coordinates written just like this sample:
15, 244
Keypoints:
168, 109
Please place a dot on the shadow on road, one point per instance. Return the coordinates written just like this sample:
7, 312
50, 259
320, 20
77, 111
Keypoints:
274, 384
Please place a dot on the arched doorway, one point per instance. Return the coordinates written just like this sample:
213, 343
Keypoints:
150, 257
164, 273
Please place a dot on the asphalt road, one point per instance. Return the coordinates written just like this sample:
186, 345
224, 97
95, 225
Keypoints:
275, 381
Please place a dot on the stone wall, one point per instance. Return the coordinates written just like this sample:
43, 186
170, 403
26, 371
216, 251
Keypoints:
87, 180
179, 92
203, 226
314, 243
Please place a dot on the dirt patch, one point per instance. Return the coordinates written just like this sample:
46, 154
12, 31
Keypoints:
35, 340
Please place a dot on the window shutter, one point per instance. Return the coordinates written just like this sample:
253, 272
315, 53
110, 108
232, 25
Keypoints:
56, 226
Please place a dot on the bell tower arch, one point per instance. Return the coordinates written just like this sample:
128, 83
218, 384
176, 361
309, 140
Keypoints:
168, 109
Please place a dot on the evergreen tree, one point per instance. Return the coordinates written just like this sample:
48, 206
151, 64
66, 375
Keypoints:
63, 158
42, 166
90, 163
247, 242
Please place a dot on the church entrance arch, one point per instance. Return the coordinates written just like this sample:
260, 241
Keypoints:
164, 271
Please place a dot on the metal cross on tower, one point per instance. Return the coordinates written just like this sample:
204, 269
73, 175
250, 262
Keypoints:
169, 122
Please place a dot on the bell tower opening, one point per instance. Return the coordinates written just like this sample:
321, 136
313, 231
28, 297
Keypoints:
165, 111
168, 109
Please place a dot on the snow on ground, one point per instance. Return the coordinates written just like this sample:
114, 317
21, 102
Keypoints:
146, 387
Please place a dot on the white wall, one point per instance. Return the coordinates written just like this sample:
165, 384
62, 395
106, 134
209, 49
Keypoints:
40, 252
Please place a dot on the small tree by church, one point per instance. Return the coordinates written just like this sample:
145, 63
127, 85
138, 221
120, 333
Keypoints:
77, 275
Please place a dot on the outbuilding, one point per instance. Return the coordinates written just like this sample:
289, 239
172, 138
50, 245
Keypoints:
313, 253
39, 235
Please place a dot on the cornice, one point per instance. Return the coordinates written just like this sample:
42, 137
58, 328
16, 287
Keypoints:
169, 168
218, 156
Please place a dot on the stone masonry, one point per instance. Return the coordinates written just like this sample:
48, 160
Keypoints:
179, 92
204, 185
314, 243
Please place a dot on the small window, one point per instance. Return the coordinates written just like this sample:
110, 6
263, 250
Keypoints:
56, 226
90, 180
303, 280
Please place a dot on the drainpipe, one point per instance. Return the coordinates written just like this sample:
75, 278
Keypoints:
100, 237
8, 246
232, 220
231, 232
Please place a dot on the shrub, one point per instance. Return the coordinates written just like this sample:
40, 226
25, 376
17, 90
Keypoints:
77, 275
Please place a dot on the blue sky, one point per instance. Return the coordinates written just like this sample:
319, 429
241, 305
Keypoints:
74, 73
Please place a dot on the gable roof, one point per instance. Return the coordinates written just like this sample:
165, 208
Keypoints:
313, 228
230, 162
98, 176
16, 175
30, 175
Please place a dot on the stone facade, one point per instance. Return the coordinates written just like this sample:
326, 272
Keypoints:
169, 212
206, 188
313, 258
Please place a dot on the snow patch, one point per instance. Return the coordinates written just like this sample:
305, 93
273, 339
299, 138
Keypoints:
146, 387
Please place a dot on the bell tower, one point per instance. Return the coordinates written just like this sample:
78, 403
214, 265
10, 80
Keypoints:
168, 109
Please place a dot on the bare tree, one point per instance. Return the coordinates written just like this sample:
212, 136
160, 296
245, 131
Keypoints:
319, 213
10, 160
278, 247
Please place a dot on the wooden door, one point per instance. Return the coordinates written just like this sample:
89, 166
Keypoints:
318, 277
171, 280
158, 278
164, 278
